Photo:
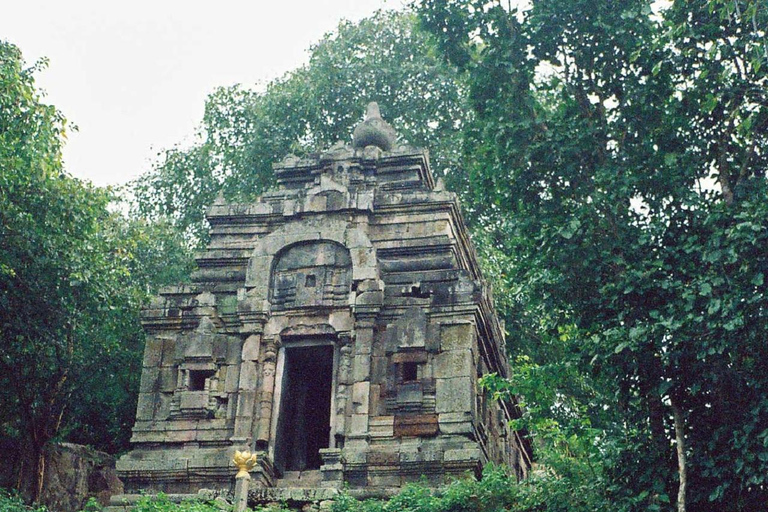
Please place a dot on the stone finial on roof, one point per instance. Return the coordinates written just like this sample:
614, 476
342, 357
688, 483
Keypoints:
374, 131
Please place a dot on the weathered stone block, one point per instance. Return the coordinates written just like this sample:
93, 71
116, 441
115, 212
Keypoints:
409, 394
462, 455
220, 346
232, 381
432, 343
454, 394
167, 379
357, 477
382, 426
409, 331
153, 352
234, 351
376, 458
456, 336
375, 407
411, 455
379, 368
385, 477
361, 368
455, 423
356, 238
365, 200
145, 410
454, 363
170, 349
199, 345
341, 321
180, 436
249, 375
363, 341
194, 400
251, 348
149, 380
421, 425
373, 298
411, 357
246, 400
354, 457
360, 397
358, 424
163, 405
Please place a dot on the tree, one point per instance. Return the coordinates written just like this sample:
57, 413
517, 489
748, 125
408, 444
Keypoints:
383, 58
69, 290
620, 149
103, 405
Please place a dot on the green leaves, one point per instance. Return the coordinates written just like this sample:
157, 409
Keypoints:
70, 284
627, 176
569, 229
383, 58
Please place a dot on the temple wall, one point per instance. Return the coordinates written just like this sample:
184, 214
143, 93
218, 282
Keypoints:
360, 252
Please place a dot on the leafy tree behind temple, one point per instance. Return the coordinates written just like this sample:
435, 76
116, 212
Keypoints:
70, 288
623, 152
383, 58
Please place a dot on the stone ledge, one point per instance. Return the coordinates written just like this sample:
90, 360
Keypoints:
300, 494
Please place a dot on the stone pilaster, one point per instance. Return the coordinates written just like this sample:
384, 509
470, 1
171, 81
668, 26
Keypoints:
247, 391
267, 393
342, 388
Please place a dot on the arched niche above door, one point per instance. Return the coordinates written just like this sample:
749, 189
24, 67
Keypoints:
311, 274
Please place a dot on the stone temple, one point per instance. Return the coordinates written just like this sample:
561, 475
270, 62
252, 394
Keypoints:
336, 326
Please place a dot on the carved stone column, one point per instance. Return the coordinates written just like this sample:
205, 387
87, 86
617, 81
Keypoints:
267, 392
344, 383
247, 391
360, 382
252, 318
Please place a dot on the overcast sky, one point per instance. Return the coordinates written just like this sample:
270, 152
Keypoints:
133, 76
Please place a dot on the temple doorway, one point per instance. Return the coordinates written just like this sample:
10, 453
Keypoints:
304, 423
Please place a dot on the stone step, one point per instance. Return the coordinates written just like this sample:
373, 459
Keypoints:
126, 502
300, 479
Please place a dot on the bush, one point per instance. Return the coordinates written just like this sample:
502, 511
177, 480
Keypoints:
161, 503
497, 491
13, 503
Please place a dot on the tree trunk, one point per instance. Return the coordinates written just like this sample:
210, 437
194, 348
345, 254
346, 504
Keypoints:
39, 474
34, 458
677, 414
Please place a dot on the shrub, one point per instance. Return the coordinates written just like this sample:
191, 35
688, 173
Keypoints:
13, 503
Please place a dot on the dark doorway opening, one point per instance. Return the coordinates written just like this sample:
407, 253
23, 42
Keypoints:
304, 423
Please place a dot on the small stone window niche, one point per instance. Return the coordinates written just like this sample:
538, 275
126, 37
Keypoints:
198, 380
198, 395
410, 372
409, 366
411, 388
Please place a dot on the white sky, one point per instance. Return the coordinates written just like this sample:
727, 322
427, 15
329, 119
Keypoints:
134, 75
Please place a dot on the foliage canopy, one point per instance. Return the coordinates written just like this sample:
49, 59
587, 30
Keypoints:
383, 58
70, 287
620, 153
